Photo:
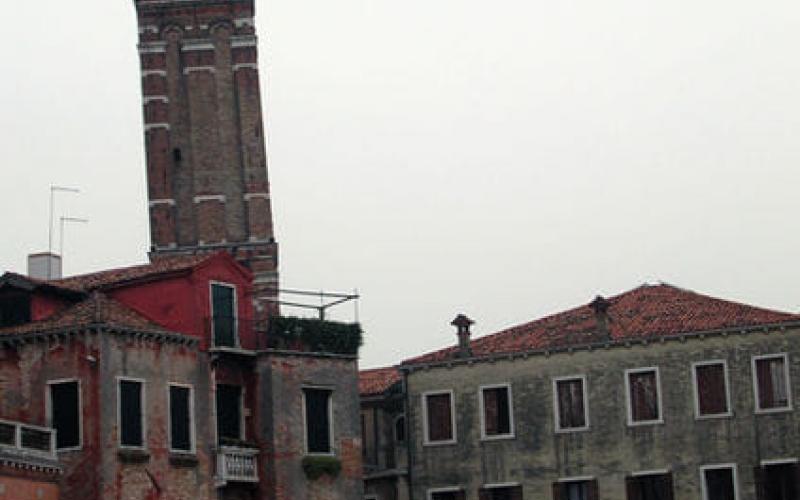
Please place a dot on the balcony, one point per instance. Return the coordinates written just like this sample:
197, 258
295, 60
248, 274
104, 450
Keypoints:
236, 464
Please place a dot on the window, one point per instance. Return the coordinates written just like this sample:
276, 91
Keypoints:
650, 486
223, 314
64, 413
719, 482
570, 403
496, 412
181, 427
229, 413
500, 492
131, 413
644, 398
711, 389
777, 481
15, 308
575, 489
771, 380
438, 417
317, 405
447, 494
400, 429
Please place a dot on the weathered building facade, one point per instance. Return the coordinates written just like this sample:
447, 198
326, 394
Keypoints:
656, 393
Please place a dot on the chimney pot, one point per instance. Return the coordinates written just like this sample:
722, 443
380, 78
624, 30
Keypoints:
462, 324
44, 266
600, 306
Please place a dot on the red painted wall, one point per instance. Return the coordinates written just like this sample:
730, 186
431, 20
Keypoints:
44, 306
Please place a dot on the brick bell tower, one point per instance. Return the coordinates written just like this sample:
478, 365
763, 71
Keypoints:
204, 134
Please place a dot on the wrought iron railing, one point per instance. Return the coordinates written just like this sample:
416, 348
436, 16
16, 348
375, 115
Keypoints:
236, 464
27, 439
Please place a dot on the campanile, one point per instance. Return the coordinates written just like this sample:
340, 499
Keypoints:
204, 135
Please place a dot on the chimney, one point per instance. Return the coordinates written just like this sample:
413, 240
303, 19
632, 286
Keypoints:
44, 266
600, 307
462, 324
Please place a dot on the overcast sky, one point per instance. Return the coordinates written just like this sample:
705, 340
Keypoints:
502, 159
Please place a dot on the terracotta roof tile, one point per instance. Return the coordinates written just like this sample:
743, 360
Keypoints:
647, 311
377, 380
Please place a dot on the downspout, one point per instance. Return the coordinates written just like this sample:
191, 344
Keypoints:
410, 438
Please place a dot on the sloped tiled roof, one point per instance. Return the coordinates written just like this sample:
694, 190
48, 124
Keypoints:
647, 311
376, 381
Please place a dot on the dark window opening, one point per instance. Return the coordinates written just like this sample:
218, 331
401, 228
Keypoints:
501, 493
223, 315
448, 495
772, 383
229, 413
719, 484
364, 438
712, 395
15, 308
130, 406
177, 155
180, 418
65, 414
440, 417
777, 482
571, 408
650, 487
318, 427
643, 396
400, 429
575, 490
496, 411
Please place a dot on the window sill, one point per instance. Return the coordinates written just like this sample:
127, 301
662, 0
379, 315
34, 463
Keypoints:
717, 416
767, 411
133, 455
646, 423
572, 430
182, 459
439, 443
498, 437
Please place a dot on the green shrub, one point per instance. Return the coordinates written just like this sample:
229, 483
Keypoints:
315, 335
315, 467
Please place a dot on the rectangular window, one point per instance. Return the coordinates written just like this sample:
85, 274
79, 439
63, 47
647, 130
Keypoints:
711, 389
438, 417
644, 400
496, 411
223, 314
64, 406
570, 403
229, 413
131, 413
777, 481
318, 420
447, 495
180, 418
649, 487
771, 375
500, 493
719, 482
581, 489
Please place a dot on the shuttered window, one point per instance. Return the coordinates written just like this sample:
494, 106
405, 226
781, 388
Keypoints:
229, 413
223, 315
65, 413
718, 483
500, 493
131, 413
180, 418
318, 424
711, 389
643, 399
571, 403
772, 382
496, 411
439, 411
649, 487
575, 490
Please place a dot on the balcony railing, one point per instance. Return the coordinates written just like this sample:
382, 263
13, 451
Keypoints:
25, 439
237, 465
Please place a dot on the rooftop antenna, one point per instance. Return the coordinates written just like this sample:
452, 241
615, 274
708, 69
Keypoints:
61, 237
53, 190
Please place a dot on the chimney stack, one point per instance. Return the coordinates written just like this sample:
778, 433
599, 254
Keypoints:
600, 307
462, 324
44, 266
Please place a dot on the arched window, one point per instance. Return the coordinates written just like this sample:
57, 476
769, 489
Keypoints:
400, 429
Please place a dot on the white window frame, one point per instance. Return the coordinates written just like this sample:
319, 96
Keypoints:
192, 433
49, 411
789, 402
242, 430
143, 404
331, 440
585, 392
778, 461
446, 489
211, 284
703, 482
697, 414
481, 404
425, 434
651, 472
371, 497
633, 371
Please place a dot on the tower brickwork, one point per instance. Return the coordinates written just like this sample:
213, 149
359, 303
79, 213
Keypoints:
204, 135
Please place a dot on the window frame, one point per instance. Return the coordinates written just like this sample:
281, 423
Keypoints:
49, 412
445, 489
331, 440
498, 486
236, 341
511, 434
404, 441
143, 416
695, 388
426, 431
628, 399
576, 479
192, 431
556, 414
242, 430
789, 400
703, 481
